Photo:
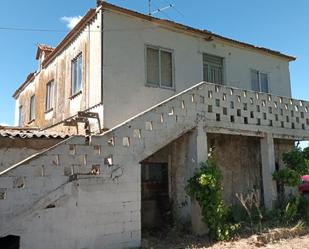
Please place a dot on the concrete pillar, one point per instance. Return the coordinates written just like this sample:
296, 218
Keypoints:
268, 167
201, 145
198, 226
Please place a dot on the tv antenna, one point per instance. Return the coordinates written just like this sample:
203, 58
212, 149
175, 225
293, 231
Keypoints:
150, 12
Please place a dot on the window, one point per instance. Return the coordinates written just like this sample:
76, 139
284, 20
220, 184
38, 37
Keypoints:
49, 102
159, 67
20, 116
259, 81
77, 74
212, 69
32, 107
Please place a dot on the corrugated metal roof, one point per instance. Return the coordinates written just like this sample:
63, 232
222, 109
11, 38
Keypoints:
30, 133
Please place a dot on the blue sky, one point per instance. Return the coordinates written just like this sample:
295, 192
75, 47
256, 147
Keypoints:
276, 24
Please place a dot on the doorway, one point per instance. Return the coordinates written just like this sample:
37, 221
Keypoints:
155, 208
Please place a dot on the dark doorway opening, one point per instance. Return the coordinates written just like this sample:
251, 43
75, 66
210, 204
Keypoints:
10, 242
155, 210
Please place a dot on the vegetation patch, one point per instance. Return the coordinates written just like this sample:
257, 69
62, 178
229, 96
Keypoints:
205, 187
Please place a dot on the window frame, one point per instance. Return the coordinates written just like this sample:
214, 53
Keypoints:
20, 116
222, 68
32, 111
74, 73
159, 85
259, 80
50, 102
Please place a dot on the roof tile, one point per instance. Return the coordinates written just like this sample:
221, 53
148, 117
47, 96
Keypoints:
26, 133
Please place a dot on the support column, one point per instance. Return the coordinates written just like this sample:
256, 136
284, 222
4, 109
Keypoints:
198, 226
201, 145
268, 168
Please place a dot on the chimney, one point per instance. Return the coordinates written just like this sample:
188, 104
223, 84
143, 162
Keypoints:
99, 2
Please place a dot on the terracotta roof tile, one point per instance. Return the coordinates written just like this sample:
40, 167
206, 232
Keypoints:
42, 47
27, 133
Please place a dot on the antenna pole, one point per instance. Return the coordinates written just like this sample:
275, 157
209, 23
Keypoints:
149, 7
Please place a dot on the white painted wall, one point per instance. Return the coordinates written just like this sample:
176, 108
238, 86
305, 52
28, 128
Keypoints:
94, 65
125, 93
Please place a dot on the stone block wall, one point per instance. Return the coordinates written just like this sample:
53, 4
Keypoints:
14, 150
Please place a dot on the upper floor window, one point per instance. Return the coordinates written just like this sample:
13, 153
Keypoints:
159, 63
20, 116
49, 102
32, 108
259, 81
212, 69
77, 74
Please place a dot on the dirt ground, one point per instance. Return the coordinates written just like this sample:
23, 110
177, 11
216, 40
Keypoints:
192, 242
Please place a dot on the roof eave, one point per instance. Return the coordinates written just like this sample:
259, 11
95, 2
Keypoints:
67, 39
259, 49
28, 80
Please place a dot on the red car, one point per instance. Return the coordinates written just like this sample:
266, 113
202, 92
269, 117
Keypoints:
304, 186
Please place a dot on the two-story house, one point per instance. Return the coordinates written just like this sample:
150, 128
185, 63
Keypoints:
163, 94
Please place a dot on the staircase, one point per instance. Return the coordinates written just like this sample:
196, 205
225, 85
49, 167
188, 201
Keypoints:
85, 192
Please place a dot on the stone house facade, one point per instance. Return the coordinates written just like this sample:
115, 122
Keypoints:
155, 97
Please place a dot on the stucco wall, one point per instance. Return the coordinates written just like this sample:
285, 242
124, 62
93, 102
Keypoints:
125, 93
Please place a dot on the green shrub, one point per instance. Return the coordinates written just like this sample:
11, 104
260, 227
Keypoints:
205, 187
296, 164
290, 210
303, 208
285, 211
237, 214
288, 177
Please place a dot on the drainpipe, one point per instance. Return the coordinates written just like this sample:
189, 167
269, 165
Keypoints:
102, 57
88, 76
